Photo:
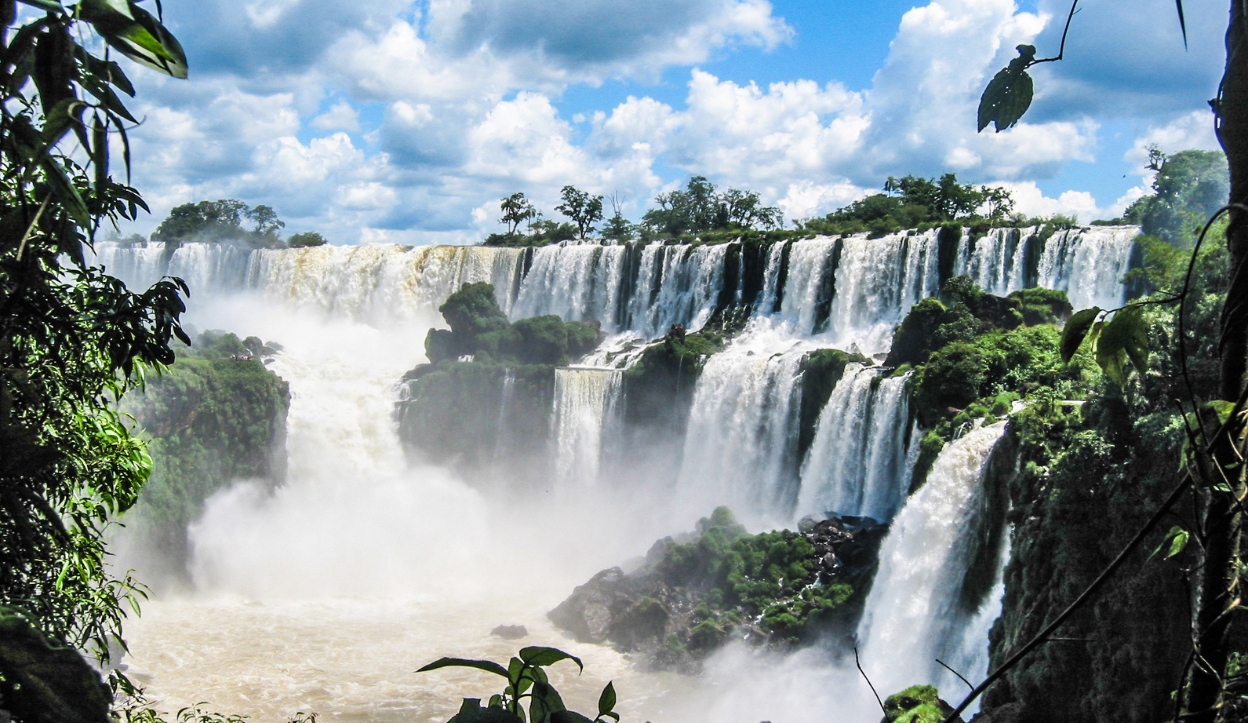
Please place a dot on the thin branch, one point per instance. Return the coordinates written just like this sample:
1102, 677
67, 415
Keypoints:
864, 677
30, 229
1061, 49
951, 670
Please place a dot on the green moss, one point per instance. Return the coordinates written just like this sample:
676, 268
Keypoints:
209, 420
771, 575
454, 412
999, 361
821, 370
919, 703
929, 450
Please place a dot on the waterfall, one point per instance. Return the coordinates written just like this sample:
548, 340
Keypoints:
996, 261
912, 614
380, 281
502, 435
586, 400
741, 444
1088, 264
858, 463
676, 285
877, 281
578, 283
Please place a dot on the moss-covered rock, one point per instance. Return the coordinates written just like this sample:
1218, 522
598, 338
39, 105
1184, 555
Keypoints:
821, 370
217, 415
480, 329
916, 704
999, 361
694, 594
471, 414
1043, 306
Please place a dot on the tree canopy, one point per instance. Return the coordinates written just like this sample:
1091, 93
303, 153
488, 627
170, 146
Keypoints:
72, 340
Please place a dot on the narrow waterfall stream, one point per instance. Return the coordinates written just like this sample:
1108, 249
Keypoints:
586, 400
741, 445
911, 618
858, 463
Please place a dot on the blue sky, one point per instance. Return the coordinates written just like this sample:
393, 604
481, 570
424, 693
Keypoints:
407, 121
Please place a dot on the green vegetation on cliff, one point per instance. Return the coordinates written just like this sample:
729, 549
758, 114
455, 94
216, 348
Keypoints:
720, 583
480, 329
210, 420
770, 577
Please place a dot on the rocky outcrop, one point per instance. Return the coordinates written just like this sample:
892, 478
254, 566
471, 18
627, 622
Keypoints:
693, 594
215, 416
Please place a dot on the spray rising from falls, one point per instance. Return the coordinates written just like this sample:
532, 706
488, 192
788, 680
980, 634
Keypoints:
915, 612
858, 463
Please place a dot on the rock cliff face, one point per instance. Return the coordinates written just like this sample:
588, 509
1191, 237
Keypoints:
692, 595
216, 416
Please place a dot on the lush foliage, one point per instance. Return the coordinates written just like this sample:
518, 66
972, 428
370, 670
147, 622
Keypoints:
701, 207
525, 679
1188, 188
71, 337
584, 209
699, 211
221, 220
480, 329
305, 239
913, 202
216, 416
769, 577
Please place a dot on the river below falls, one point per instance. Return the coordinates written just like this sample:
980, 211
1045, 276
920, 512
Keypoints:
354, 660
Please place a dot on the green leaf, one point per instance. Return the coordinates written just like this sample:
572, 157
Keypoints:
606, 701
1177, 538
545, 701
65, 191
547, 656
1112, 361
1131, 325
45, 684
488, 666
137, 34
1125, 336
1075, 331
1008, 95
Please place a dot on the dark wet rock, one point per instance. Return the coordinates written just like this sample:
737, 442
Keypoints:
698, 591
510, 632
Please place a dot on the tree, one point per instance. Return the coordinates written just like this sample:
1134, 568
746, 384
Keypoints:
1220, 478
1189, 187
267, 222
584, 210
516, 210
71, 337
306, 239
618, 228
220, 220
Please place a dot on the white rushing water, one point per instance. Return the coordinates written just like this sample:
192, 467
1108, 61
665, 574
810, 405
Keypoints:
586, 402
741, 444
858, 463
911, 616
326, 593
